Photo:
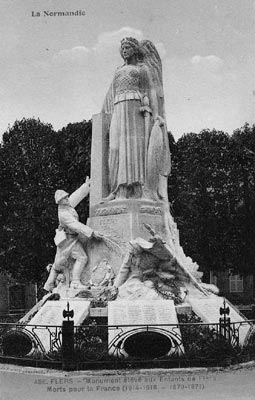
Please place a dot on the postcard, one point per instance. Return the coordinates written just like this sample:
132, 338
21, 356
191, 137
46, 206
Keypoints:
188, 66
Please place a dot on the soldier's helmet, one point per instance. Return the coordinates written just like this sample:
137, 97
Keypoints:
59, 195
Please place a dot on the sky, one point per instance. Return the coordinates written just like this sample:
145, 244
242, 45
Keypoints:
59, 69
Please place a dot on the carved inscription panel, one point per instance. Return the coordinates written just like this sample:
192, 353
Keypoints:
142, 312
115, 226
134, 314
52, 314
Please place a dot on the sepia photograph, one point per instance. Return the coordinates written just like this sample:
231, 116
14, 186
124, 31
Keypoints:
127, 201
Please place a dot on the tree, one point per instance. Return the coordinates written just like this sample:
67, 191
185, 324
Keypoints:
36, 161
31, 173
74, 150
243, 193
213, 195
199, 193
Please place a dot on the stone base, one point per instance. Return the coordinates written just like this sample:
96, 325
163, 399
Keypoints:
142, 322
51, 315
125, 219
208, 309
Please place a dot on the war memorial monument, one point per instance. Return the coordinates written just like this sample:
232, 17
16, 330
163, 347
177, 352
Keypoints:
128, 256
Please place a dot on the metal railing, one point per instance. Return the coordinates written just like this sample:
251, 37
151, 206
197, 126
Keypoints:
95, 346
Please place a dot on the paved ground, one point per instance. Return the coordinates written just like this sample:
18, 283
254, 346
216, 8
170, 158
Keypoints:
237, 382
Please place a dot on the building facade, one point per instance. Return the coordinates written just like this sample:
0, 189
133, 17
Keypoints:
16, 297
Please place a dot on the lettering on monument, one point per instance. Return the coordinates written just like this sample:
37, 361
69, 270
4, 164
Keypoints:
143, 311
110, 211
134, 314
149, 313
113, 226
151, 210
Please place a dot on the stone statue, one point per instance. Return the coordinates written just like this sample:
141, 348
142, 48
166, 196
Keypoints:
148, 271
70, 237
139, 156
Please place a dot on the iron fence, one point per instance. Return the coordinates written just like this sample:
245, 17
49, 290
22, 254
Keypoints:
100, 346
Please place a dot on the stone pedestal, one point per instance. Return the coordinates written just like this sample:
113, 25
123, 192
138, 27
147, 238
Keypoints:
99, 157
125, 219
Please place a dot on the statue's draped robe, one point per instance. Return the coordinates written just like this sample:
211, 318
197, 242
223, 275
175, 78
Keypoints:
130, 131
127, 129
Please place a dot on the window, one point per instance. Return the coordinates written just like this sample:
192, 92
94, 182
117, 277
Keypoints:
213, 278
16, 297
235, 283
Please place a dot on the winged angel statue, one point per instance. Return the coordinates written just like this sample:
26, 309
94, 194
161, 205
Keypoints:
139, 155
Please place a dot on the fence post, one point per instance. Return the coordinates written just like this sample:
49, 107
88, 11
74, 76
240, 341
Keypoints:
68, 362
225, 327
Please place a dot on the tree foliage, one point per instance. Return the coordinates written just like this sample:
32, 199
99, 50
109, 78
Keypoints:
35, 161
243, 194
212, 193
74, 143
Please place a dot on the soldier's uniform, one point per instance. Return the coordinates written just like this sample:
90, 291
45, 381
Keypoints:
71, 247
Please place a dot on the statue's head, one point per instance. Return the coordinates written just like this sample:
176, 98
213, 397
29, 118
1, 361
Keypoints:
61, 196
128, 47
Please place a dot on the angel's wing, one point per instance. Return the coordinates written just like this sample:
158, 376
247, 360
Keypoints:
151, 58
